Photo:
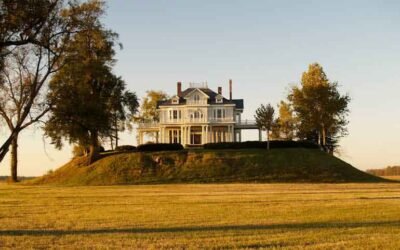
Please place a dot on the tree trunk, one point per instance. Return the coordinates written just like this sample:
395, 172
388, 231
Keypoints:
111, 142
323, 136
6, 146
93, 148
267, 139
319, 137
14, 159
116, 138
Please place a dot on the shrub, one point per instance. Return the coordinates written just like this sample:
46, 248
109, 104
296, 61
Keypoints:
261, 144
125, 148
160, 147
78, 151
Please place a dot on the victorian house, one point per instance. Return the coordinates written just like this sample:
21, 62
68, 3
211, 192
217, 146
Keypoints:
195, 116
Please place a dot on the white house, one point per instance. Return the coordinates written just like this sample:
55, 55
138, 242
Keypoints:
197, 116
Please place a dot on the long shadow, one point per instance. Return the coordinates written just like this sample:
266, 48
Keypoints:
289, 226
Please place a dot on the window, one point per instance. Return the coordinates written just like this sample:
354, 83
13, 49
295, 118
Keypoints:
219, 113
219, 100
175, 114
175, 101
196, 98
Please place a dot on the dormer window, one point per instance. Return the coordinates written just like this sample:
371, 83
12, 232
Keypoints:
175, 100
219, 99
196, 98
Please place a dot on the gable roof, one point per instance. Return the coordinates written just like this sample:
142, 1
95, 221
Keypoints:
211, 100
194, 90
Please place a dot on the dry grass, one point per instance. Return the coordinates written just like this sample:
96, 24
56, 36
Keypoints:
314, 216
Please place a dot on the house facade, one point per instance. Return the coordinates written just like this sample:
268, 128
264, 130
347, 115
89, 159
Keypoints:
196, 116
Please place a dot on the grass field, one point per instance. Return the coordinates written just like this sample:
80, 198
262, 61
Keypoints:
315, 216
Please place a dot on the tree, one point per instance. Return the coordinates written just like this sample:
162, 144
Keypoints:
26, 21
123, 105
21, 91
148, 109
81, 91
33, 36
319, 107
285, 124
265, 119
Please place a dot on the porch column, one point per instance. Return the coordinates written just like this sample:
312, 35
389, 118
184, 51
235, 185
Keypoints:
202, 134
183, 135
206, 135
189, 135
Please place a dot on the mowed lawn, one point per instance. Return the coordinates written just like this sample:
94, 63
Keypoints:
314, 216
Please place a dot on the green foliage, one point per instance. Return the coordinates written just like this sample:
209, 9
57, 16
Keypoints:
123, 105
265, 119
125, 148
261, 144
319, 107
159, 147
82, 91
285, 125
148, 109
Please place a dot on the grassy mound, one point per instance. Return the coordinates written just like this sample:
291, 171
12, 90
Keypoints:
206, 166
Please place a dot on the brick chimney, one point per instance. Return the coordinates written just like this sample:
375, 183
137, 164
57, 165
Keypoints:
230, 89
220, 90
179, 88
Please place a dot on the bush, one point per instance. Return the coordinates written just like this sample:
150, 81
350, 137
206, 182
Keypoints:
125, 148
78, 151
160, 147
261, 144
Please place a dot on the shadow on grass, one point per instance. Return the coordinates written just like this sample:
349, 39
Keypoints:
294, 226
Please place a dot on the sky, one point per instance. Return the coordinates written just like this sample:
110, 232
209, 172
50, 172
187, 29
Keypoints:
264, 47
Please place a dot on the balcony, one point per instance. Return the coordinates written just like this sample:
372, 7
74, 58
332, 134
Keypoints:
149, 125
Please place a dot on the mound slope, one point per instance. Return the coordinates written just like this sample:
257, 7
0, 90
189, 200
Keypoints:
202, 166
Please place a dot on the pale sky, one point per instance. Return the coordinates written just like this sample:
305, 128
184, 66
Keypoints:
263, 46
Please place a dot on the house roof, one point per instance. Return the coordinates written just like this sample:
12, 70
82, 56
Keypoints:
210, 93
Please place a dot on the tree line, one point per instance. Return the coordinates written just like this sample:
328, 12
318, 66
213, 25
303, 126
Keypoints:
388, 171
313, 111
56, 72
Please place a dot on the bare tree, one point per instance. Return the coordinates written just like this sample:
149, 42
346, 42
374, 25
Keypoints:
28, 64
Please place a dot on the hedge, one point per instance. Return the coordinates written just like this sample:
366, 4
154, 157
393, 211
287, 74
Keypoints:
125, 148
261, 144
159, 147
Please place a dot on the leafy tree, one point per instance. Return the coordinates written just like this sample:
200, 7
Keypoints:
285, 124
81, 92
148, 109
123, 105
27, 21
265, 119
319, 107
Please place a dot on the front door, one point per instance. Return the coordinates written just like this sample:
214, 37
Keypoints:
196, 139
